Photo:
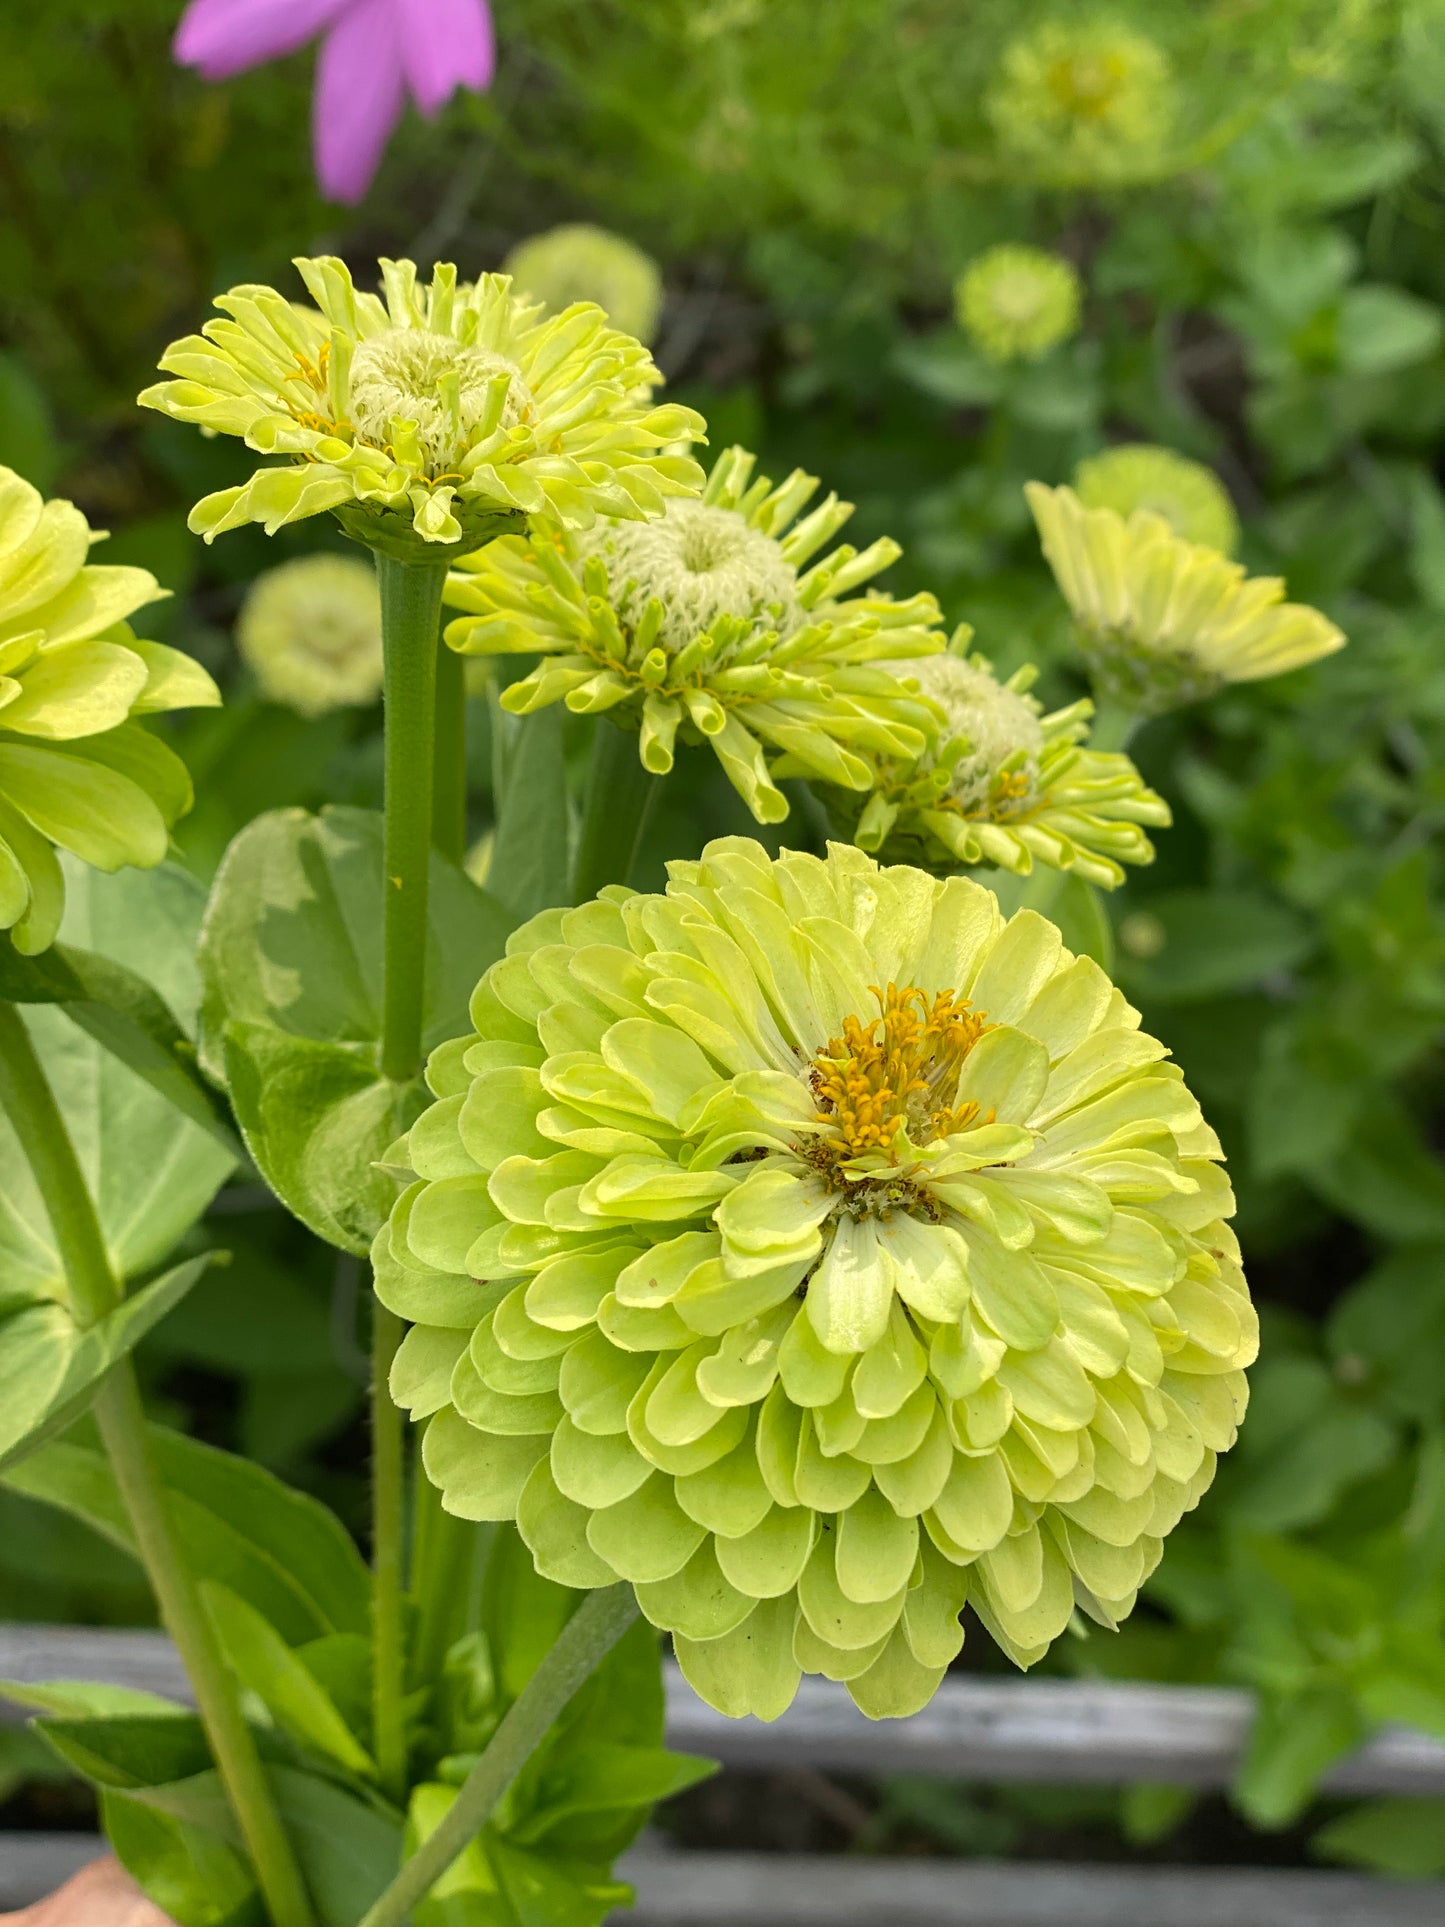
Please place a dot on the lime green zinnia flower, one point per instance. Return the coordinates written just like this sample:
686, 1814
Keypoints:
1161, 621
817, 1251
74, 769
1190, 497
1017, 303
578, 262
439, 415
706, 622
1007, 784
311, 632
1087, 103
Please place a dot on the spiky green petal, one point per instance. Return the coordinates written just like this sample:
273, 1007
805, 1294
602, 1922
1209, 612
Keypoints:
808, 1391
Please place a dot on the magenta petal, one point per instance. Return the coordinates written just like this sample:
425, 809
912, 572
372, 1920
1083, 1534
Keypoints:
445, 44
224, 37
360, 94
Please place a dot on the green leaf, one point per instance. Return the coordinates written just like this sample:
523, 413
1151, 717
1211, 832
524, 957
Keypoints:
88, 1698
28, 442
1209, 941
529, 855
349, 1850
130, 1750
547, 1891
1294, 1739
195, 1878
291, 957
601, 1778
280, 1550
50, 1369
295, 1699
1405, 1837
1384, 329
947, 366
151, 1170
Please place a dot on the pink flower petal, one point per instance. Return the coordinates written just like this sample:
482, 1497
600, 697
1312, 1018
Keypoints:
224, 37
360, 95
445, 44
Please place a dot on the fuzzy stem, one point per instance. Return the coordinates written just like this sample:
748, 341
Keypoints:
411, 594
449, 778
94, 1288
620, 793
585, 1641
1113, 725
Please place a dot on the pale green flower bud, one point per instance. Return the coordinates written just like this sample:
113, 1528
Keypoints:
310, 631
75, 768
578, 262
1005, 784
714, 623
1083, 103
1160, 621
440, 415
818, 1251
1190, 497
1017, 303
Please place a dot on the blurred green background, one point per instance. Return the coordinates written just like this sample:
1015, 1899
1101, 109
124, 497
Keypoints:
1261, 250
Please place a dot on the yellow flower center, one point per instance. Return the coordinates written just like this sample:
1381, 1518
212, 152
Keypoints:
893, 1079
437, 385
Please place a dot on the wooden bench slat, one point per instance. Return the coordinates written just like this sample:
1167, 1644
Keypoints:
1062, 1731
771, 1890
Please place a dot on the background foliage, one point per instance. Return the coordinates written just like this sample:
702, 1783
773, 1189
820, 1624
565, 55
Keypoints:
1268, 296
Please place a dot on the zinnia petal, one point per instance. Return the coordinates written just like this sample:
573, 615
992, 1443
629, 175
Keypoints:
445, 44
224, 37
360, 94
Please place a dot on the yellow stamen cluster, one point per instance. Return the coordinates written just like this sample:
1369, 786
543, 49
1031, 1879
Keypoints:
893, 1076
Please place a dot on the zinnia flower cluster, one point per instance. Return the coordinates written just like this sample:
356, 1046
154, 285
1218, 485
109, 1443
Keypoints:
1161, 621
1005, 784
709, 623
818, 1251
75, 768
439, 414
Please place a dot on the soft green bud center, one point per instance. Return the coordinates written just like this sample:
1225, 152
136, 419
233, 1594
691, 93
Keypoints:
701, 563
436, 383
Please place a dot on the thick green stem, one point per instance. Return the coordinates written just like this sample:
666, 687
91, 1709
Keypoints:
388, 1558
411, 598
620, 792
587, 1638
26, 1096
449, 778
1113, 725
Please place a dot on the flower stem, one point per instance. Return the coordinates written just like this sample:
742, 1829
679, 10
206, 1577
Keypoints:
1113, 725
444, 1557
94, 1288
585, 1641
388, 1559
411, 595
449, 778
620, 792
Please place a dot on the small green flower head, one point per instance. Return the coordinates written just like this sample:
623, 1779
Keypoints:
1190, 497
709, 623
578, 262
310, 631
1006, 784
1083, 103
1017, 303
1160, 621
75, 769
818, 1251
440, 415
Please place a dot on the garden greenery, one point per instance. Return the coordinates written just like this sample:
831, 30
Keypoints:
784, 1042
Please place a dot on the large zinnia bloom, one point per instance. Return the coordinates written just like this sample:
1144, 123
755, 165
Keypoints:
818, 1251
75, 769
442, 412
373, 54
715, 623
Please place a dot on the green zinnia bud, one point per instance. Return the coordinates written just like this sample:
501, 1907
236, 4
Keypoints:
1083, 103
1161, 621
439, 415
310, 631
1017, 303
1007, 784
578, 262
709, 623
75, 770
818, 1251
1190, 497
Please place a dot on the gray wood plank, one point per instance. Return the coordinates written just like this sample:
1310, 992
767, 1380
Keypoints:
769, 1890
1061, 1731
